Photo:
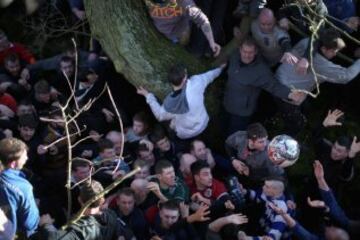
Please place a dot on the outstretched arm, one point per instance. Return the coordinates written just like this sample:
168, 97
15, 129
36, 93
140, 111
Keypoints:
201, 20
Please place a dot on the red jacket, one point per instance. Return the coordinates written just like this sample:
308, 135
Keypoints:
19, 49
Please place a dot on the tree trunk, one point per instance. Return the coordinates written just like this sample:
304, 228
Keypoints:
142, 54
138, 50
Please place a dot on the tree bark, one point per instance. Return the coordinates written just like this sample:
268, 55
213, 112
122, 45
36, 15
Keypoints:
138, 50
143, 55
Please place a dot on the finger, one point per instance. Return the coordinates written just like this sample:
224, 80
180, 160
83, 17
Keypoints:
204, 219
206, 213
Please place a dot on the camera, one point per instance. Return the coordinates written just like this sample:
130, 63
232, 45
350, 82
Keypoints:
235, 192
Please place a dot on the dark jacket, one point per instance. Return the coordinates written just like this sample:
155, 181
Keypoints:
95, 227
244, 84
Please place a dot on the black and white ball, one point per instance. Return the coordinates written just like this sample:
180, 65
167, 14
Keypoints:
283, 150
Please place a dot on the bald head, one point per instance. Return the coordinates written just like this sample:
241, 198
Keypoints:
139, 186
266, 20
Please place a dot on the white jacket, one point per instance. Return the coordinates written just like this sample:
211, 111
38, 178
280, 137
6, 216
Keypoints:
195, 121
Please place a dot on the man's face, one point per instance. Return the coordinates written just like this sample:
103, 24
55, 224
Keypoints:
43, 97
329, 53
204, 178
163, 144
108, 153
24, 109
338, 152
138, 127
199, 150
147, 156
268, 189
258, 144
143, 173
22, 160
168, 217
26, 133
117, 141
266, 24
247, 53
167, 177
13, 67
125, 204
67, 67
81, 173
91, 78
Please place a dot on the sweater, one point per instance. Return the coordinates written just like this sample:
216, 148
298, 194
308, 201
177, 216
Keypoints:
194, 122
174, 20
272, 45
244, 85
326, 71
259, 164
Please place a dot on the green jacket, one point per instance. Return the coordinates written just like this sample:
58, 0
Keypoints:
95, 227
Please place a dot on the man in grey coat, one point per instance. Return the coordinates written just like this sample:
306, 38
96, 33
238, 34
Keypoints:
247, 76
325, 49
249, 156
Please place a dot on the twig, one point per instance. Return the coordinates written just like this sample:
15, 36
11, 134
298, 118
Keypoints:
60, 139
121, 126
100, 195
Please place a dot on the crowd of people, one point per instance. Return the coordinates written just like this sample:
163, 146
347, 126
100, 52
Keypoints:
183, 188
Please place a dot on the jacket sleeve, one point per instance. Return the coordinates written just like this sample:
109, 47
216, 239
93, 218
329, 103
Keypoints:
45, 64
335, 210
49, 232
231, 145
29, 215
159, 112
301, 233
338, 74
274, 87
206, 78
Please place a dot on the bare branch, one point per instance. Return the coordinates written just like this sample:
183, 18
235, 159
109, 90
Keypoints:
99, 196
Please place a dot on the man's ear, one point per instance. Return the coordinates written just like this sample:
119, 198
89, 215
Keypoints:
102, 201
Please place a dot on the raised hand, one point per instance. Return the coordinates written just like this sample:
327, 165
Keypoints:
332, 118
154, 187
216, 48
318, 170
316, 203
229, 205
297, 96
302, 66
241, 167
184, 210
276, 209
237, 219
289, 58
355, 148
200, 215
142, 91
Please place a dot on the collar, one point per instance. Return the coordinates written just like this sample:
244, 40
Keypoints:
241, 64
13, 172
